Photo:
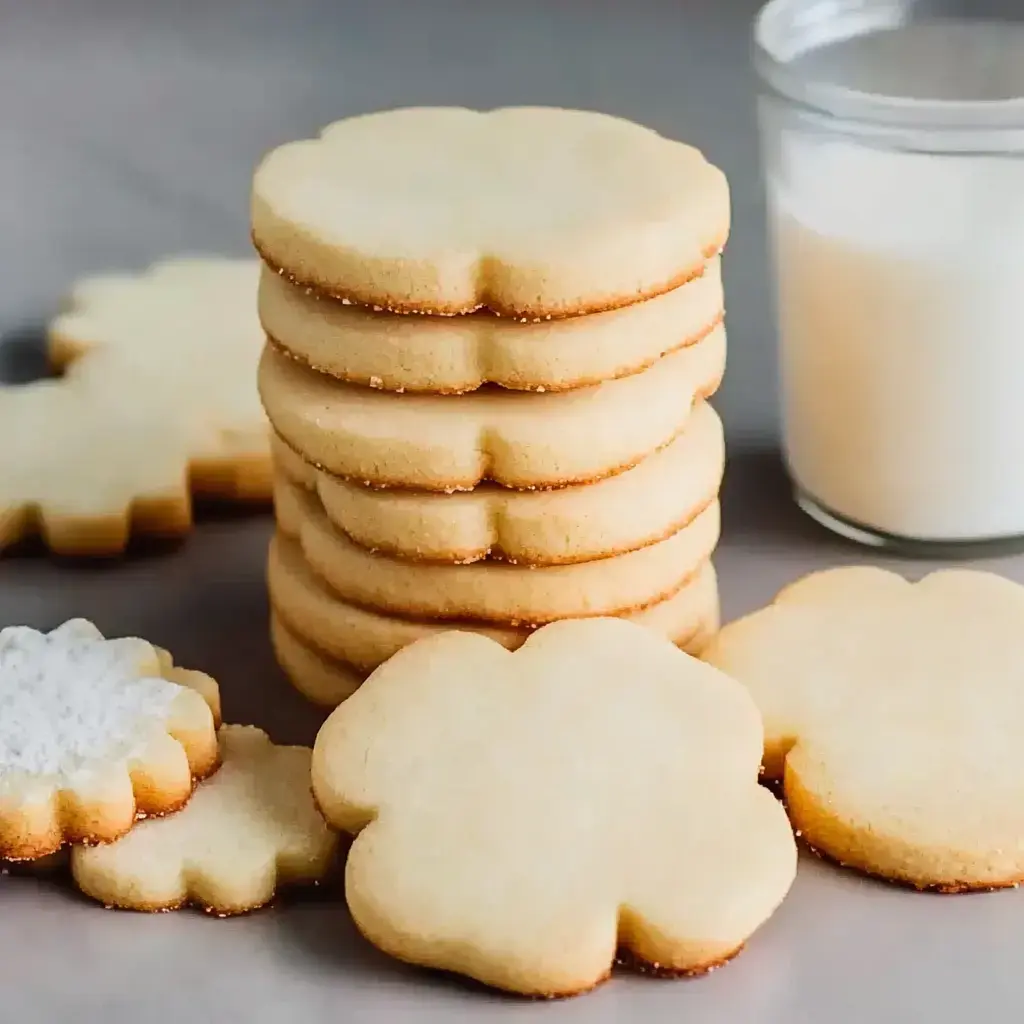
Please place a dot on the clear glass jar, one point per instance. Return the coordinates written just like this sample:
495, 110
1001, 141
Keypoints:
893, 140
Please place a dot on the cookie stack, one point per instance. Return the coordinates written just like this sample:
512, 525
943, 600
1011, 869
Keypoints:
490, 341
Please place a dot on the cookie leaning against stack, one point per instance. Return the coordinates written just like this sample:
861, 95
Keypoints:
533, 443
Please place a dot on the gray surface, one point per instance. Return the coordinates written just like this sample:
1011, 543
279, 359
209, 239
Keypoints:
131, 129
842, 950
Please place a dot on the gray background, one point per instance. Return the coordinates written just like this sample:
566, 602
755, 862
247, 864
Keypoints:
130, 128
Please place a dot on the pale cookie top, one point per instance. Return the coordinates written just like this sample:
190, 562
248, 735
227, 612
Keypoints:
85, 446
71, 701
900, 707
249, 826
520, 814
161, 372
532, 212
188, 327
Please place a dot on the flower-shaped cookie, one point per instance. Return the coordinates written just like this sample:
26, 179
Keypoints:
523, 816
93, 733
530, 211
157, 403
87, 463
894, 714
249, 829
524, 441
455, 354
622, 513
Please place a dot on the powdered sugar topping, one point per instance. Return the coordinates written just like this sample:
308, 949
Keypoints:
71, 700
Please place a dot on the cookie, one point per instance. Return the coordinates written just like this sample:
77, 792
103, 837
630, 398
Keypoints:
353, 641
452, 443
94, 734
85, 467
893, 713
249, 830
530, 212
319, 678
622, 513
453, 355
157, 405
521, 817
495, 591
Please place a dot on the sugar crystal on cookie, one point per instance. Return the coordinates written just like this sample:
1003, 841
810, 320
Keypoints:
70, 699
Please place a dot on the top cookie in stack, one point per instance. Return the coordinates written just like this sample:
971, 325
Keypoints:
490, 340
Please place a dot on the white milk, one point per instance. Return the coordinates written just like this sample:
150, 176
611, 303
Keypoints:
901, 314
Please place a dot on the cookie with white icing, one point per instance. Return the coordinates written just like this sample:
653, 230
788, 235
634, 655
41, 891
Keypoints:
93, 734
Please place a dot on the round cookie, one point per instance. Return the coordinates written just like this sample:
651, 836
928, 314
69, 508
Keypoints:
327, 646
531, 212
622, 513
494, 591
453, 355
523, 441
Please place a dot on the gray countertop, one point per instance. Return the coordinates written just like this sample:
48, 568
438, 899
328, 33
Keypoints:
130, 130
841, 950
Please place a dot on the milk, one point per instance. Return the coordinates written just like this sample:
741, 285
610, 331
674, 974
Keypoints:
901, 319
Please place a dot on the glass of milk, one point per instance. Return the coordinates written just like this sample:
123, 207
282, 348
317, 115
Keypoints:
893, 135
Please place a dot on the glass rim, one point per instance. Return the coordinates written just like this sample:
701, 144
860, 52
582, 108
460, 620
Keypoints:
786, 29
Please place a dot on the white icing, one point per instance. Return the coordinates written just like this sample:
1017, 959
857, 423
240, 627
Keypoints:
71, 700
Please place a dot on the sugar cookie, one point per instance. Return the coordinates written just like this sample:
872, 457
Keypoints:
355, 640
519, 817
318, 677
622, 513
248, 830
453, 355
893, 714
157, 404
496, 591
449, 443
94, 733
532, 212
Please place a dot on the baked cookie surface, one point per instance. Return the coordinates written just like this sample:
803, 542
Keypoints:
625, 512
156, 405
453, 355
521, 817
529, 211
454, 442
94, 733
248, 830
319, 636
893, 713
496, 592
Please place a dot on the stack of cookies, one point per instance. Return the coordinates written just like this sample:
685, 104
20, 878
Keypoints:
490, 341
